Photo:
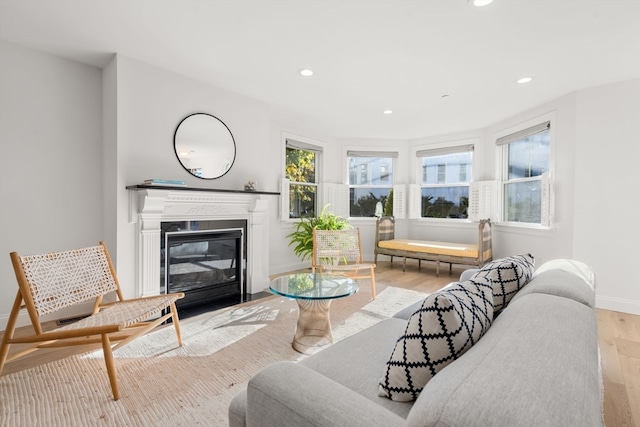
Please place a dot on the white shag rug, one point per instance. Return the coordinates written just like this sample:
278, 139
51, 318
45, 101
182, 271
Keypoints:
192, 385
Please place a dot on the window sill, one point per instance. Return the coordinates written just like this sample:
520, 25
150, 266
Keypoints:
521, 228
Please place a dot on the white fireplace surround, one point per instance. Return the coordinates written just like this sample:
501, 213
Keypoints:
150, 207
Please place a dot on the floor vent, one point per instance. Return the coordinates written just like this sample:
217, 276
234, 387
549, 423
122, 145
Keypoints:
63, 322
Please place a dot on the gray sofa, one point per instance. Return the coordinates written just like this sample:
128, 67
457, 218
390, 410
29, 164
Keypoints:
537, 365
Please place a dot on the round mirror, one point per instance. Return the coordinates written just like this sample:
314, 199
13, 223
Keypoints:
204, 146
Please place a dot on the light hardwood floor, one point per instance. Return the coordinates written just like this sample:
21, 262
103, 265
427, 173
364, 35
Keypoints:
619, 338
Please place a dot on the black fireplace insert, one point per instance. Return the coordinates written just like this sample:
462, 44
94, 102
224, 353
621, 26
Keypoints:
207, 265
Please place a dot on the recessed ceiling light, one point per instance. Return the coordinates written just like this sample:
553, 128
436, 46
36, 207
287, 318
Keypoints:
306, 72
523, 80
481, 3
387, 112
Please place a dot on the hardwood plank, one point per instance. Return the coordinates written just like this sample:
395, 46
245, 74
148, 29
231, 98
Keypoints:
617, 411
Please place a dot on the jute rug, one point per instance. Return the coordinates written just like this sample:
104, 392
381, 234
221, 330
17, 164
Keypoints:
162, 384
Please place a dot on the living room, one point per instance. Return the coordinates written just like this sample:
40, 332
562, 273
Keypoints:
75, 135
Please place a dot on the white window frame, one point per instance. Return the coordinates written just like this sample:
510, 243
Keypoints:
546, 179
450, 147
398, 190
301, 142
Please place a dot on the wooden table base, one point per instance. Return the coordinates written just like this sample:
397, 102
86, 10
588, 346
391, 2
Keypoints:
313, 331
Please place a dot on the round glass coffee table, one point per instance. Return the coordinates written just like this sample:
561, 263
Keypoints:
313, 292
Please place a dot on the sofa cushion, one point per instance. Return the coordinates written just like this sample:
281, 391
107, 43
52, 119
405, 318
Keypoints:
356, 362
560, 283
508, 275
446, 325
536, 366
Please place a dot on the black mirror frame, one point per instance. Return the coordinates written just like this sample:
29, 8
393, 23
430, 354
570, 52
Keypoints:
235, 148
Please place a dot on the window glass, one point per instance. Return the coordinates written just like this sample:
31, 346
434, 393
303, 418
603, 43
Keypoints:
529, 157
370, 183
301, 166
526, 160
445, 184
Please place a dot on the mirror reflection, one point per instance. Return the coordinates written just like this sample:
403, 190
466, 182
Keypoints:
204, 146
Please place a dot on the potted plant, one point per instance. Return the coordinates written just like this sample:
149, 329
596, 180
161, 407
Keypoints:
302, 237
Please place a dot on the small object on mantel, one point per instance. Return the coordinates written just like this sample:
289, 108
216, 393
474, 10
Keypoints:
250, 186
156, 181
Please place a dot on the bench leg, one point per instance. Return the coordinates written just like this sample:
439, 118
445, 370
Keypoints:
404, 263
437, 268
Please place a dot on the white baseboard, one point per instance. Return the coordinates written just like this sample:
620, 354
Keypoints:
618, 304
23, 320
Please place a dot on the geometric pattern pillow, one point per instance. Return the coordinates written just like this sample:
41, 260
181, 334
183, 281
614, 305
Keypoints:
508, 275
447, 324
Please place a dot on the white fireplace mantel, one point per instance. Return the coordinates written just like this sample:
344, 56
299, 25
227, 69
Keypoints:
149, 207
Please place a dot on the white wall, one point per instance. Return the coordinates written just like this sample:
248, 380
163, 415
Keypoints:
72, 137
607, 191
50, 158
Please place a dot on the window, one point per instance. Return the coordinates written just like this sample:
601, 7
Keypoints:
370, 181
444, 186
525, 170
301, 171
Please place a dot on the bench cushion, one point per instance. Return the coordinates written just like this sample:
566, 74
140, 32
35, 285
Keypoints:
432, 247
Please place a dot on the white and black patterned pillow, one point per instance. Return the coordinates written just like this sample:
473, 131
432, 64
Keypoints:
447, 324
508, 275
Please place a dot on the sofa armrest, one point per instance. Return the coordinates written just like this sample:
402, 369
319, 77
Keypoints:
287, 394
468, 274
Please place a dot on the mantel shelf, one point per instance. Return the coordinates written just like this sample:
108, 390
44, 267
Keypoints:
183, 188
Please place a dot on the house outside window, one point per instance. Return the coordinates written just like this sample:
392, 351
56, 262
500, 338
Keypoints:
370, 181
301, 170
525, 171
444, 181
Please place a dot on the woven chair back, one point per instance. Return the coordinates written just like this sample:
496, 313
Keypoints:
62, 279
337, 247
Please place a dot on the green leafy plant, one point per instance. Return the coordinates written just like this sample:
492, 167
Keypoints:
388, 205
302, 236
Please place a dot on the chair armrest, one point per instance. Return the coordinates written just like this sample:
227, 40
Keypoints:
287, 394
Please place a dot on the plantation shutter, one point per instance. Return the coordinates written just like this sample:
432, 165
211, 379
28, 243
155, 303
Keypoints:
399, 204
337, 197
483, 199
284, 199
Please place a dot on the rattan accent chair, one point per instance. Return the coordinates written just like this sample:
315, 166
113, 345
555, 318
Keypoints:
340, 252
50, 282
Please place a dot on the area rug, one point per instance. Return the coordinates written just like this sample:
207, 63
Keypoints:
192, 385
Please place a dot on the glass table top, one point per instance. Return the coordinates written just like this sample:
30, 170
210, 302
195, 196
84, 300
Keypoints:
313, 286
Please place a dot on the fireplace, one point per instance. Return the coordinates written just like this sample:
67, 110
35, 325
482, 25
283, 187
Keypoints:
204, 259
203, 209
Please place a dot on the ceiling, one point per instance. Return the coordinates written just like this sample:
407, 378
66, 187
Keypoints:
441, 66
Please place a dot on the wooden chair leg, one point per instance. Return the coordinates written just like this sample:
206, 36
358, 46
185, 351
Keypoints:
176, 323
373, 284
10, 329
111, 366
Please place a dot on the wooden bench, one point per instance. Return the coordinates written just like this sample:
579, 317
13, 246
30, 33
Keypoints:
474, 254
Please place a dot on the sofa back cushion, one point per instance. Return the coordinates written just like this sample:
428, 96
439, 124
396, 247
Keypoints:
537, 366
445, 326
508, 275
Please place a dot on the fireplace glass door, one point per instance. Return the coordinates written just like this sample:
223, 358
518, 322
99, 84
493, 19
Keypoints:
205, 265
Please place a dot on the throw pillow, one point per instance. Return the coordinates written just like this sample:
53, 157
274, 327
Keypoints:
508, 275
447, 324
